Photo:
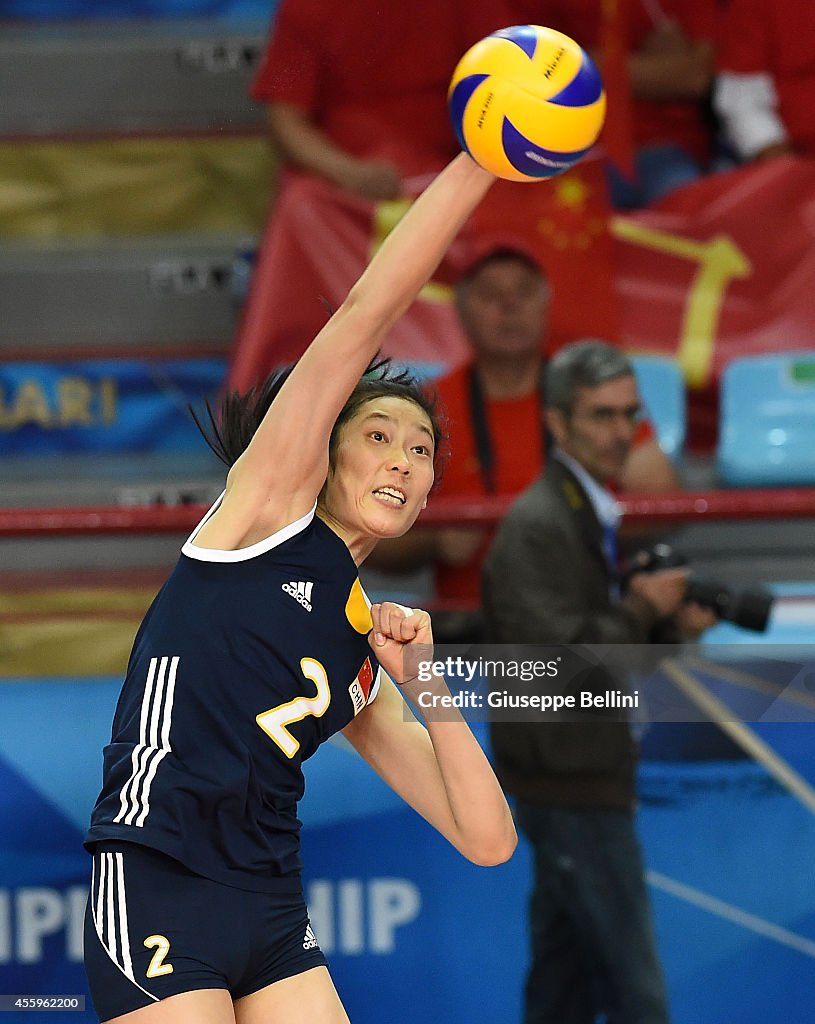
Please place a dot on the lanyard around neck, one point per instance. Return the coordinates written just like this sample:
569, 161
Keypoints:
484, 446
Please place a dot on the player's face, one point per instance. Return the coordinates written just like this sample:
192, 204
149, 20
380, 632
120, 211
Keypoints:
383, 470
504, 309
600, 430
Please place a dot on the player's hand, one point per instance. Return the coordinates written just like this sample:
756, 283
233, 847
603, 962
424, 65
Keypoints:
396, 629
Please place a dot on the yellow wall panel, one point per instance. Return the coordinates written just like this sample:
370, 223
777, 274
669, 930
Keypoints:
134, 186
56, 631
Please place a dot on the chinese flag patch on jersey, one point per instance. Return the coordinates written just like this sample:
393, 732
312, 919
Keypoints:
365, 677
361, 686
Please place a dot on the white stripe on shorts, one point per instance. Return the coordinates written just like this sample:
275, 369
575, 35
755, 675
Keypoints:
111, 901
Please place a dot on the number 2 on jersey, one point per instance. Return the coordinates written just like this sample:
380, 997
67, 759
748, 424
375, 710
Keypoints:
276, 721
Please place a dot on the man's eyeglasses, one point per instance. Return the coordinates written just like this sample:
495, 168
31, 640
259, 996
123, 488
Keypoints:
605, 415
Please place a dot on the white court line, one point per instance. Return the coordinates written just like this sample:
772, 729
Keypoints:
738, 677
730, 913
747, 738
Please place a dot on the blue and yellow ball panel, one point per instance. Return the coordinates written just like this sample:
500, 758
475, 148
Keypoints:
458, 101
585, 89
526, 102
533, 161
523, 36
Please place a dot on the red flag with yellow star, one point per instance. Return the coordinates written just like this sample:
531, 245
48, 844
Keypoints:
565, 223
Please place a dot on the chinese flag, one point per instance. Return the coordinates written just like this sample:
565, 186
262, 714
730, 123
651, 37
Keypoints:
319, 240
365, 677
316, 244
565, 223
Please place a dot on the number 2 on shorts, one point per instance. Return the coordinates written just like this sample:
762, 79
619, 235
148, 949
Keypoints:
157, 966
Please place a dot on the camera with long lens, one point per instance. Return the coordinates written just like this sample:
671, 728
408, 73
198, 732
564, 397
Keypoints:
749, 609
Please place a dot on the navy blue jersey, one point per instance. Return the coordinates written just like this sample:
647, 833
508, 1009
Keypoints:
244, 664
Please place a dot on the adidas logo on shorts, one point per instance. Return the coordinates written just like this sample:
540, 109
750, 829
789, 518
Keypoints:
301, 592
310, 939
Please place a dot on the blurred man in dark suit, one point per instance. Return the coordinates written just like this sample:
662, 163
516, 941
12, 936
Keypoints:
551, 577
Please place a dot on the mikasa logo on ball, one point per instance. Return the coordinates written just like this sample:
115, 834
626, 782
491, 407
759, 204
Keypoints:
484, 109
551, 67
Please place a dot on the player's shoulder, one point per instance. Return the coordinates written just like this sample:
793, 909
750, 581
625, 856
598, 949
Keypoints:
298, 530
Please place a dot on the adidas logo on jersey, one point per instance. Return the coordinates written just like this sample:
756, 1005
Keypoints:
300, 592
310, 939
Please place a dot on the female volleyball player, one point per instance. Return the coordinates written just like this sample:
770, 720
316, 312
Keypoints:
260, 645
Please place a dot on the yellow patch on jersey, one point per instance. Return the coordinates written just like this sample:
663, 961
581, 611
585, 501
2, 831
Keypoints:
357, 609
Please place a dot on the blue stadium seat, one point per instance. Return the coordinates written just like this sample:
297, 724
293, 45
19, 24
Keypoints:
767, 420
662, 388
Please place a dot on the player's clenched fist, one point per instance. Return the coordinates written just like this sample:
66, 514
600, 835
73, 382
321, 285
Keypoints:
394, 628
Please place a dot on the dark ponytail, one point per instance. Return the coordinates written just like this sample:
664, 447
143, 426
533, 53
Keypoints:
229, 432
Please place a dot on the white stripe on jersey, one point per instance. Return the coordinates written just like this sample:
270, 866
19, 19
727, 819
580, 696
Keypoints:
146, 700
138, 749
108, 888
148, 782
154, 741
168, 706
156, 709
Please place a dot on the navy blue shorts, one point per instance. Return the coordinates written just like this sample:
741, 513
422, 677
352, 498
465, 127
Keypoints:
154, 929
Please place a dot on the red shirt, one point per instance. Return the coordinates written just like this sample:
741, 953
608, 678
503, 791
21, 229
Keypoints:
518, 452
777, 39
515, 429
373, 74
674, 121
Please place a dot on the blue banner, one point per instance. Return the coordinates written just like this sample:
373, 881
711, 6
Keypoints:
64, 10
414, 932
105, 405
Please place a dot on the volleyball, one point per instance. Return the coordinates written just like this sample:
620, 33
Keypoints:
526, 102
